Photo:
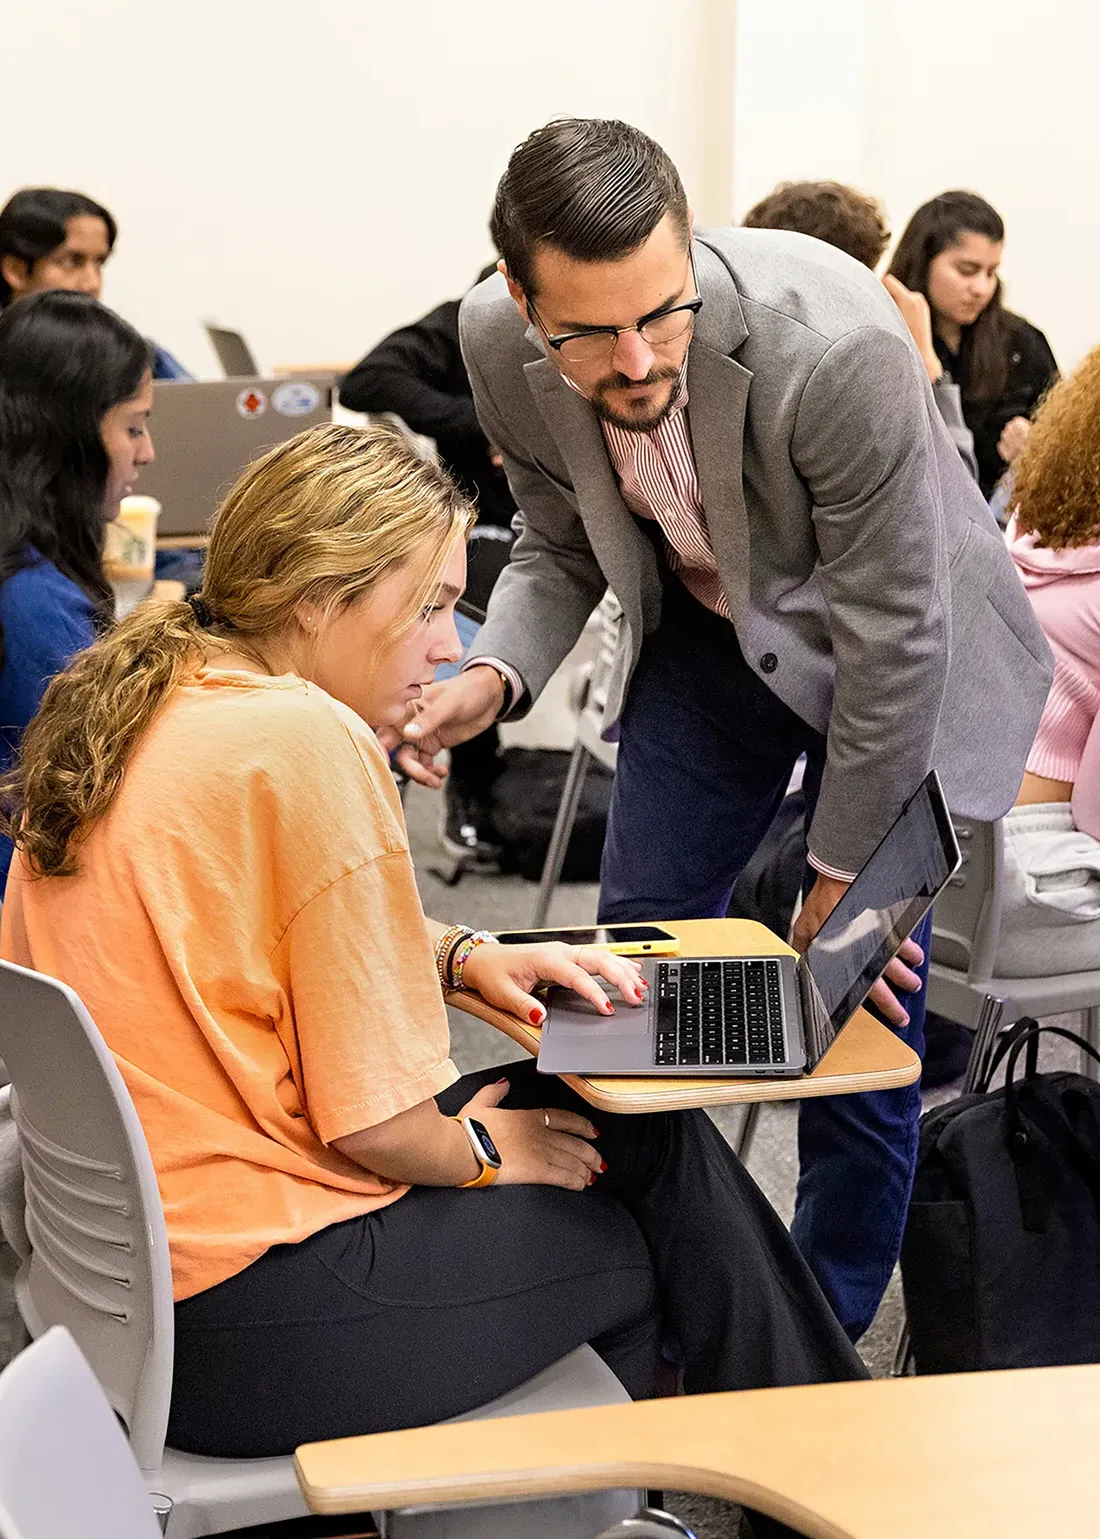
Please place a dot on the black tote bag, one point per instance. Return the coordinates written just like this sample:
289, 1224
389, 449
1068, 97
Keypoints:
1001, 1255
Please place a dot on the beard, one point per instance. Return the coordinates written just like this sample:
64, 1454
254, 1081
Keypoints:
643, 417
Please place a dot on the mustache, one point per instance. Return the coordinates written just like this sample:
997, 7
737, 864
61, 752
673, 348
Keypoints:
624, 382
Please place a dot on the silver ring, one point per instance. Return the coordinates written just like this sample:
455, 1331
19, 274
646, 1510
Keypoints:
546, 1118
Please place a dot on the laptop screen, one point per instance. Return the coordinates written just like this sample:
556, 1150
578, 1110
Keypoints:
887, 900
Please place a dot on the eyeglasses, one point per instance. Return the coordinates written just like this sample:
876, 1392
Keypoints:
597, 343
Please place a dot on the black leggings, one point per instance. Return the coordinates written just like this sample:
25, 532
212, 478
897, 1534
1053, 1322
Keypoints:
447, 1299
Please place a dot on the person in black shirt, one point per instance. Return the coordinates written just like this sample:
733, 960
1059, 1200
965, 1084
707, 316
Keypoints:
418, 373
950, 252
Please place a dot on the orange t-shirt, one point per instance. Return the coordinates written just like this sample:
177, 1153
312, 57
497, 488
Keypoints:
246, 933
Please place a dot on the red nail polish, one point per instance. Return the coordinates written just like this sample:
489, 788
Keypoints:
603, 1166
502, 1081
609, 1008
535, 1017
592, 1180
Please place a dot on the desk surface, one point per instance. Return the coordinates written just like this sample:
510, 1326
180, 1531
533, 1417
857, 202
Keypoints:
865, 1056
977, 1456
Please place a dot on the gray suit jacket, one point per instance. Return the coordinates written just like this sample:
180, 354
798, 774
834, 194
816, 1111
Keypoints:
850, 540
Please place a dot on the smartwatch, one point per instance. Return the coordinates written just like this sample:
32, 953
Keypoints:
485, 1149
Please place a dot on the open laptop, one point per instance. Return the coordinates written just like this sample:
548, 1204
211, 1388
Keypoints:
206, 432
766, 1015
234, 353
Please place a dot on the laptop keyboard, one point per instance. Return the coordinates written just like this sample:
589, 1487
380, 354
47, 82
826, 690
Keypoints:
725, 1012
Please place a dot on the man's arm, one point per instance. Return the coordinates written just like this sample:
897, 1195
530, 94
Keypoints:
863, 443
552, 583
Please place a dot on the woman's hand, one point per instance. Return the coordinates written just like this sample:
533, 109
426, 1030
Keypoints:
505, 975
1013, 439
545, 1147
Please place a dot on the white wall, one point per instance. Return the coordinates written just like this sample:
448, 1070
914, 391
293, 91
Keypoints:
908, 100
315, 172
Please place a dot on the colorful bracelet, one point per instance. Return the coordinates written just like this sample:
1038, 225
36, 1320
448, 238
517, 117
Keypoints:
444, 948
465, 950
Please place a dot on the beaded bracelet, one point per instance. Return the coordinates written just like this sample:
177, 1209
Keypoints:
465, 950
444, 948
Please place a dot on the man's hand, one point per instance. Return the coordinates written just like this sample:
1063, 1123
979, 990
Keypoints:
918, 317
822, 898
1013, 439
446, 714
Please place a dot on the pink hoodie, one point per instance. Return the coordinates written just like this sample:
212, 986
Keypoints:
1064, 589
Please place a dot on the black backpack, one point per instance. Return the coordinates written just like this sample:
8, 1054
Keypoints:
1000, 1261
526, 795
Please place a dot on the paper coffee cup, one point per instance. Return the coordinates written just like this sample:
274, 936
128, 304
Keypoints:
130, 551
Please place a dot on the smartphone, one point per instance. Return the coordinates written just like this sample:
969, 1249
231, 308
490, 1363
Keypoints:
626, 940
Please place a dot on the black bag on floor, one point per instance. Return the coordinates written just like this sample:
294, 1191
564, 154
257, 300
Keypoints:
526, 796
1000, 1261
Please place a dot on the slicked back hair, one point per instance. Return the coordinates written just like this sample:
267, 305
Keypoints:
591, 188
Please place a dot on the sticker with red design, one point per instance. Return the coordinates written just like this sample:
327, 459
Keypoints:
251, 402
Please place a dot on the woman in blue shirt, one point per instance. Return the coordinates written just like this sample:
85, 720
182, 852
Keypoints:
76, 390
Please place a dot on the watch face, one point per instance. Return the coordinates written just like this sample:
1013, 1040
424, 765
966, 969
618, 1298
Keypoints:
488, 1147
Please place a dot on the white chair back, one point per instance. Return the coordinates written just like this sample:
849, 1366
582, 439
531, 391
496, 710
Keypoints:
65, 1466
100, 1253
966, 918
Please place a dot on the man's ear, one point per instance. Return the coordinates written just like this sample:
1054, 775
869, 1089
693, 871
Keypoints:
15, 273
519, 298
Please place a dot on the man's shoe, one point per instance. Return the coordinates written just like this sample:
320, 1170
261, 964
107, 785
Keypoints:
467, 831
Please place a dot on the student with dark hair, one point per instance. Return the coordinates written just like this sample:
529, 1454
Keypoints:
855, 223
732, 431
53, 239
75, 395
950, 252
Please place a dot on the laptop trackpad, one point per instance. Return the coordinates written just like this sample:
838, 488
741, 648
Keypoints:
573, 1012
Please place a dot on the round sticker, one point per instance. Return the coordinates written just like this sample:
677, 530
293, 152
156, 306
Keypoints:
251, 402
296, 398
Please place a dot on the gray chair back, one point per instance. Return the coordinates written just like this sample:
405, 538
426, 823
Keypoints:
100, 1252
966, 918
65, 1467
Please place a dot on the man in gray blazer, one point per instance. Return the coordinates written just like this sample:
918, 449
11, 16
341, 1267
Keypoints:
733, 430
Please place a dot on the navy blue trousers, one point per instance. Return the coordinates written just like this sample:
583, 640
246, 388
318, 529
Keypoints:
704, 759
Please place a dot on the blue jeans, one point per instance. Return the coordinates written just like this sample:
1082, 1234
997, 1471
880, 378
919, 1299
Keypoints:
704, 759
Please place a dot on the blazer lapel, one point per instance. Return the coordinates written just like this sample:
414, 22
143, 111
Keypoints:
718, 390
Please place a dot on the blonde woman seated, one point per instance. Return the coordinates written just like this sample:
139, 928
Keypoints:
1051, 920
211, 851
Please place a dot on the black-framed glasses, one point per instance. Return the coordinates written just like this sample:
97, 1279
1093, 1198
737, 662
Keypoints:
596, 343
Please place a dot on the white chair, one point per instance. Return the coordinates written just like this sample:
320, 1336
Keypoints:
99, 1265
966, 931
65, 1466
589, 745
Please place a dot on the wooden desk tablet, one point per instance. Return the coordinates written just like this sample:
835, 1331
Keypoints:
865, 1056
965, 1456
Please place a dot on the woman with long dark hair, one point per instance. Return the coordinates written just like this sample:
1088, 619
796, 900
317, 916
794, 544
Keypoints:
950, 252
76, 390
51, 238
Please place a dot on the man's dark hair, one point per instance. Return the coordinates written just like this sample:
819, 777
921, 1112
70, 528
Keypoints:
33, 221
828, 210
592, 188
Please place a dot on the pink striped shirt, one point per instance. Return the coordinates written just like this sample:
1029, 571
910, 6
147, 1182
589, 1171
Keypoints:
658, 480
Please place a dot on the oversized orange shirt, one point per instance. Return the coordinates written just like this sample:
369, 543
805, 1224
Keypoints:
246, 933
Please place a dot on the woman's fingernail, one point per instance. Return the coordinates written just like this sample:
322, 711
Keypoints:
603, 1166
536, 1017
608, 1008
502, 1081
592, 1179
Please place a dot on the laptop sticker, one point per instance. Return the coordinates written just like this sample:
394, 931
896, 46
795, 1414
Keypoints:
296, 398
251, 403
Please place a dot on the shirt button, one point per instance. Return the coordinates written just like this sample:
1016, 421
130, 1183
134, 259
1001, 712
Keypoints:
769, 662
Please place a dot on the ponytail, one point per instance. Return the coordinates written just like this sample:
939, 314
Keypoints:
74, 752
